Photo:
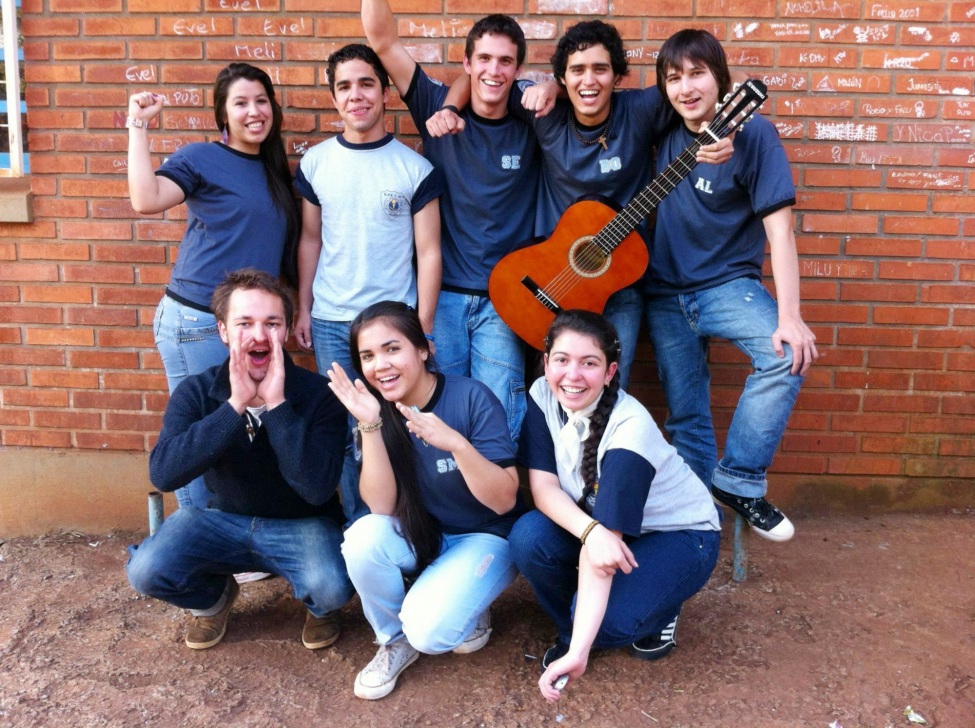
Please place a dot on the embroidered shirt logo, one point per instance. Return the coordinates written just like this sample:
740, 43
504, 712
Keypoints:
445, 465
395, 205
704, 185
511, 161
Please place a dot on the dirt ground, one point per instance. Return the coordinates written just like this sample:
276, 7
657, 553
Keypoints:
846, 625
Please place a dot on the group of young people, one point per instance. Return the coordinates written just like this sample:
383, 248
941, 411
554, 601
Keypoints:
394, 474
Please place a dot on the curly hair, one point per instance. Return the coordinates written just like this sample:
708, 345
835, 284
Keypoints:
586, 35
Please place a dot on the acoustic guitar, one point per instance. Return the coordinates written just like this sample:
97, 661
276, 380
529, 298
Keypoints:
595, 250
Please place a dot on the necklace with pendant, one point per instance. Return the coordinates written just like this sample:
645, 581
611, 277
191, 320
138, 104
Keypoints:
604, 133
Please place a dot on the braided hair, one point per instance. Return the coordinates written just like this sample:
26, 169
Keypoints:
415, 524
603, 333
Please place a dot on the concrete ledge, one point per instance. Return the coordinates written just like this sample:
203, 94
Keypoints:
73, 490
16, 200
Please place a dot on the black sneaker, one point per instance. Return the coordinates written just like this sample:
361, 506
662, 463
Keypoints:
656, 646
764, 518
559, 649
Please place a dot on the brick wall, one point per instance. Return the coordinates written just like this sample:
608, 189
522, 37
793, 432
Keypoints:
873, 101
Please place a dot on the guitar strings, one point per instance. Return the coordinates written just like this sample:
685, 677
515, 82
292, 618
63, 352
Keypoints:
600, 247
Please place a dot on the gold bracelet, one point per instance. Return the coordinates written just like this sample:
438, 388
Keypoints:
592, 524
370, 428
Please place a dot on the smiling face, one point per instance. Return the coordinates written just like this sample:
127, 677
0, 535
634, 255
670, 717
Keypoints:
249, 115
256, 319
393, 365
589, 80
360, 100
493, 66
576, 370
693, 91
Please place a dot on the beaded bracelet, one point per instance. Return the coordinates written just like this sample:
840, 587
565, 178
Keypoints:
592, 524
371, 427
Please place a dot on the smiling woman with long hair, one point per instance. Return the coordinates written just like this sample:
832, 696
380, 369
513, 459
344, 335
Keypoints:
625, 532
439, 479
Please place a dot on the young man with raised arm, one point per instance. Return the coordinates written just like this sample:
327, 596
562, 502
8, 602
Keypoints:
488, 207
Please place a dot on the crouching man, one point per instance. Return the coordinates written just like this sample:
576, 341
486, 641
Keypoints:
268, 438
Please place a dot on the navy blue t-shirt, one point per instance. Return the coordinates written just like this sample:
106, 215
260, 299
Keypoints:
232, 221
709, 228
469, 407
491, 169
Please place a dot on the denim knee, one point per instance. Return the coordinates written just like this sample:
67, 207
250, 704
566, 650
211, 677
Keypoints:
141, 571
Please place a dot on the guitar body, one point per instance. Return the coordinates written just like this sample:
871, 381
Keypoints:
528, 286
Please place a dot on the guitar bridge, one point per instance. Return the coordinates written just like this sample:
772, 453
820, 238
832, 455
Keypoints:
540, 295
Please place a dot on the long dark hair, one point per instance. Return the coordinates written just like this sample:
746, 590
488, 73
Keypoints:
600, 330
272, 154
416, 525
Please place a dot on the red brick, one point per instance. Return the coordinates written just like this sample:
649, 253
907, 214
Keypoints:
133, 422
16, 418
888, 292
884, 247
869, 336
36, 438
54, 251
910, 270
899, 445
99, 273
67, 420
912, 315
860, 465
109, 441
59, 378
899, 403
32, 356
138, 381
948, 294
148, 50
957, 448
139, 296
12, 378
887, 359
125, 339
57, 294
28, 272
873, 380
88, 50
60, 337
949, 425
96, 316
103, 360
818, 443
940, 468
106, 400
122, 27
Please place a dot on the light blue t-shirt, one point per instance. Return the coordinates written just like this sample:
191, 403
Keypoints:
368, 194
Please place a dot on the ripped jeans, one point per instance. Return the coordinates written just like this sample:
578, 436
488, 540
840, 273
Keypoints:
443, 604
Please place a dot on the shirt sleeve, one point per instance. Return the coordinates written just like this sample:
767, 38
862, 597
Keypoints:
536, 449
304, 187
430, 188
181, 169
624, 483
489, 428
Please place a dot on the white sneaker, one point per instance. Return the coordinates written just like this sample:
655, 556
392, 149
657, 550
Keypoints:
377, 679
479, 637
247, 576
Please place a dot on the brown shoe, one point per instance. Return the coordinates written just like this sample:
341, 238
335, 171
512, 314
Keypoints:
205, 632
321, 632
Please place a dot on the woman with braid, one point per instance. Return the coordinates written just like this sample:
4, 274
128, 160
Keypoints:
625, 532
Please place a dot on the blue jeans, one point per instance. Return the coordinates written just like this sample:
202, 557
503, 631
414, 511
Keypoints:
681, 328
331, 342
624, 309
473, 341
674, 566
188, 343
187, 561
443, 604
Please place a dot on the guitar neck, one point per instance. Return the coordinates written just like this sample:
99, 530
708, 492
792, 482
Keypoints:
640, 207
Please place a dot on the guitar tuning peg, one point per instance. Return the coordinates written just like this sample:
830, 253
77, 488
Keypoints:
722, 102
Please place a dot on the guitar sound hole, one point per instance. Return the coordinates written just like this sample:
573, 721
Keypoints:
588, 259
